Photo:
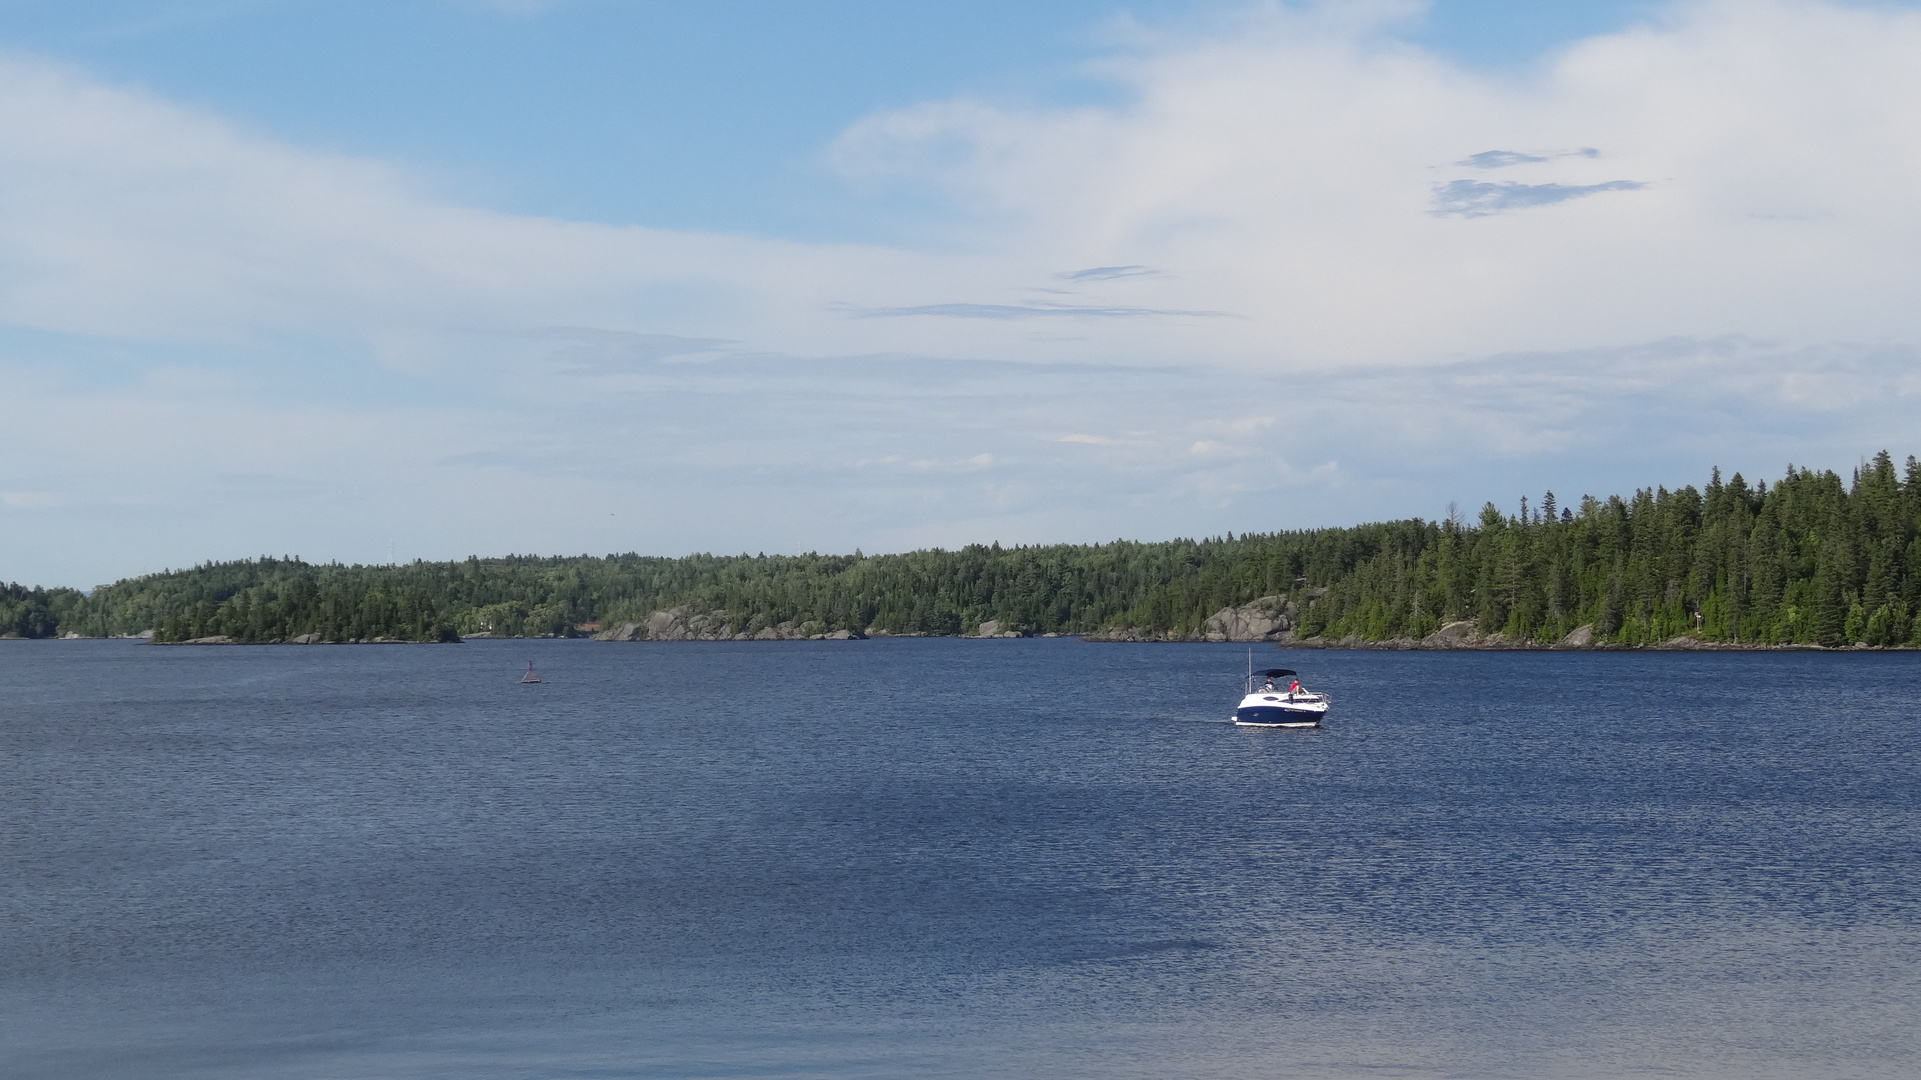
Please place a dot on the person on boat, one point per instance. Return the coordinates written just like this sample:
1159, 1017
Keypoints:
1294, 688
1267, 687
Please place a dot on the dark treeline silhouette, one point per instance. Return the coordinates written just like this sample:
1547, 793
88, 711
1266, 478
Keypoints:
1810, 560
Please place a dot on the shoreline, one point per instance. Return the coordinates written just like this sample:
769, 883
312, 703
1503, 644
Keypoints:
1269, 621
1312, 643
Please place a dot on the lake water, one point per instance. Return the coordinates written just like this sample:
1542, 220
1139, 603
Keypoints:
937, 858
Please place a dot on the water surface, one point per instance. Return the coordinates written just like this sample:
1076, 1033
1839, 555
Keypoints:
933, 858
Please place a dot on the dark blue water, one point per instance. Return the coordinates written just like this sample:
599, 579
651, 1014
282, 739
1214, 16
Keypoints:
953, 858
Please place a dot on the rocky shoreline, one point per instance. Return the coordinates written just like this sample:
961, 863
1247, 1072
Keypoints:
1270, 620
684, 623
302, 639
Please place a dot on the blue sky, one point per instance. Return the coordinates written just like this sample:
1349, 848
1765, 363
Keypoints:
677, 115
347, 280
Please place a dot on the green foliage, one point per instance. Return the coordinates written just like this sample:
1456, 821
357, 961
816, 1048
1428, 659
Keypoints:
1809, 561
35, 613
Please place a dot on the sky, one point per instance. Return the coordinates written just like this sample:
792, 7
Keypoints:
373, 282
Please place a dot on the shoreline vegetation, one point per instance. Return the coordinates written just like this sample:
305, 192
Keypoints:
1809, 562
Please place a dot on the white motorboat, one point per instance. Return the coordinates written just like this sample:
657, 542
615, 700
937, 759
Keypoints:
1275, 698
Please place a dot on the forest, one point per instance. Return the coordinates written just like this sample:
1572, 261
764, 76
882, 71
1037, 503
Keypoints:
1811, 560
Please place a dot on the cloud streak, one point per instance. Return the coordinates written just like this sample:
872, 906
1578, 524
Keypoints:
1502, 159
1034, 311
1109, 273
1470, 198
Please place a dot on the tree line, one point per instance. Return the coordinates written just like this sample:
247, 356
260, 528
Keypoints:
1812, 559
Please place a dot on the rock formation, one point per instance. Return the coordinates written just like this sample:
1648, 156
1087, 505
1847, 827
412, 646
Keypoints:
1271, 618
1265, 619
1454, 635
684, 623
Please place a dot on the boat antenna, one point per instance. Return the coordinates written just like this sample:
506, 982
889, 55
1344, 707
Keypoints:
1250, 669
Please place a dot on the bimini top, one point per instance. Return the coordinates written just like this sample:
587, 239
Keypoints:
1274, 673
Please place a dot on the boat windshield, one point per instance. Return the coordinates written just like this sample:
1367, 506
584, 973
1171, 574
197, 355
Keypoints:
1275, 680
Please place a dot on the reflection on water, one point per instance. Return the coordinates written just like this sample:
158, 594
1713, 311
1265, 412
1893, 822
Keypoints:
952, 858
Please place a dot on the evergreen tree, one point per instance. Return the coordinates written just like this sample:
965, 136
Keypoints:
1809, 560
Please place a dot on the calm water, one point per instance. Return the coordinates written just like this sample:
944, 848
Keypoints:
953, 858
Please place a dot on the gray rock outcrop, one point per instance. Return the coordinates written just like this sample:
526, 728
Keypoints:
1454, 635
685, 623
682, 623
1129, 634
1265, 619
1271, 618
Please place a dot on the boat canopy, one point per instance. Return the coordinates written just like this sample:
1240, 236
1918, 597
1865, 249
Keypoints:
1274, 673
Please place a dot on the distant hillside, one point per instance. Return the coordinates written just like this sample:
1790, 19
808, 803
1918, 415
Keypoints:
1810, 560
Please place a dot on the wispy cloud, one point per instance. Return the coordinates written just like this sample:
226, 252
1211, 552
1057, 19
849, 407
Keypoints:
1498, 159
162, 18
1033, 311
1473, 198
1109, 273
1501, 159
583, 350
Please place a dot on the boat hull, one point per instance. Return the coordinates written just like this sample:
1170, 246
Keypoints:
1281, 710
1268, 716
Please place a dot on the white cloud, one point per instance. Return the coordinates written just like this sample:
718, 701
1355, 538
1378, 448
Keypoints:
1239, 267
1751, 171
134, 218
